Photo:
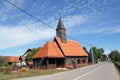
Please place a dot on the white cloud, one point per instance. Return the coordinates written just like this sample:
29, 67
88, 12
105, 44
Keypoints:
68, 21
20, 35
67, 9
13, 36
113, 30
107, 52
71, 21
104, 31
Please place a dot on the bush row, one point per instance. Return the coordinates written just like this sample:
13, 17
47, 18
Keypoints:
117, 64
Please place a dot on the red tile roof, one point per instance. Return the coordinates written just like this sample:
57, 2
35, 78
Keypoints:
30, 63
13, 59
50, 49
71, 48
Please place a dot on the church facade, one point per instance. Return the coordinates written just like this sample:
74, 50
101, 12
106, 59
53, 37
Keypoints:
61, 52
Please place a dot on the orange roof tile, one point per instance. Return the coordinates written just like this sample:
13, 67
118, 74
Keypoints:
50, 49
71, 48
30, 63
13, 59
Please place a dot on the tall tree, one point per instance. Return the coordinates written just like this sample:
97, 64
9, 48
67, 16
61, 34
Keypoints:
114, 55
1, 62
104, 57
98, 52
30, 54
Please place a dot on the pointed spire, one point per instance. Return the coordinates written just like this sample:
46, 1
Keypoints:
60, 24
61, 31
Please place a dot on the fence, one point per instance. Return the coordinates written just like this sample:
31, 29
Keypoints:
50, 66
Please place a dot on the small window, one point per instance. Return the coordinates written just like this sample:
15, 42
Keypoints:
78, 61
84, 60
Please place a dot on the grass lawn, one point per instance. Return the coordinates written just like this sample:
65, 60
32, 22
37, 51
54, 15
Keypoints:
28, 73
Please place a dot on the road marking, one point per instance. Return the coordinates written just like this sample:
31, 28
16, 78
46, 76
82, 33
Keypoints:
88, 73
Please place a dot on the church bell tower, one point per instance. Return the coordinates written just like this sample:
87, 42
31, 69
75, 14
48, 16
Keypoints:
61, 31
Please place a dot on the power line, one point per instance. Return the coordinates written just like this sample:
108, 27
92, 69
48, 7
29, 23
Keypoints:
31, 15
25, 24
28, 14
31, 29
34, 17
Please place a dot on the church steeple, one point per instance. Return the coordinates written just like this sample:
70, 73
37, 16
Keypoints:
61, 31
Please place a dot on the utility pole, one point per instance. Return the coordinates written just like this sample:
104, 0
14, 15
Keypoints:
93, 60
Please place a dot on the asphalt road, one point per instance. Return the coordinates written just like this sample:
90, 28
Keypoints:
100, 71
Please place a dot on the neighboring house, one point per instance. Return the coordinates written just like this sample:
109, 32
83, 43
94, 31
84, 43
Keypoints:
29, 54
5, 58
22, 61
29, 50
60, 52
22, 58
11, 60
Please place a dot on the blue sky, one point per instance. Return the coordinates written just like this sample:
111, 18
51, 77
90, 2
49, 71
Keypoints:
95, 22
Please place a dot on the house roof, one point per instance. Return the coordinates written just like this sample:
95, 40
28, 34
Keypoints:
71, 48
5, 58
21, 58
30, 49
13, 59
50, 49
10, 58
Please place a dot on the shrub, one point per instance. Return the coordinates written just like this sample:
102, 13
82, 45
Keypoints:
1, 69
1, 62
23, 69
7, 70
117, 64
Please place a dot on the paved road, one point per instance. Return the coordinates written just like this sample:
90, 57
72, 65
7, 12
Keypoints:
100, 71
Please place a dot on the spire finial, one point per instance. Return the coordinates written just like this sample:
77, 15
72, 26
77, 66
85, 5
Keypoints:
60, 19
60, 15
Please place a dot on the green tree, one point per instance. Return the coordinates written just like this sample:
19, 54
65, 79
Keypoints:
1, 62
30, 54
114, 55
98, 52
104, 57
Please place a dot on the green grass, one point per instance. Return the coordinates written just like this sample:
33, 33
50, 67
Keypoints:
29, 73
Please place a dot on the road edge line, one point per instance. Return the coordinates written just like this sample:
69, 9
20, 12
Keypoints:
88, 73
